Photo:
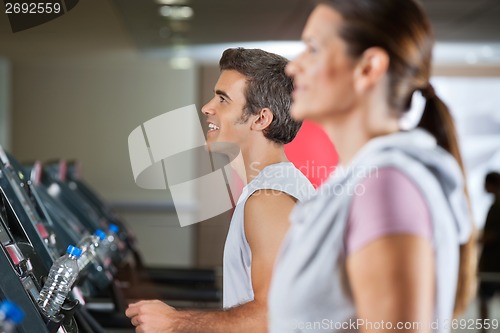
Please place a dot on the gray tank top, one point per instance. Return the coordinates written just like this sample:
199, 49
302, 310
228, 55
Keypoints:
237, 278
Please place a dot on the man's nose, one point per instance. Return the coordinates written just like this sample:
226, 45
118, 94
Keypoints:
207, 109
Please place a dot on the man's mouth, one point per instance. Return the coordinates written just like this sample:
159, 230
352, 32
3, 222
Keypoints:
212, 127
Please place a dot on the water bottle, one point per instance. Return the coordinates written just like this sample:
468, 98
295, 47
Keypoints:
10, 316
62, 275
89, 246
108, 249
114, 238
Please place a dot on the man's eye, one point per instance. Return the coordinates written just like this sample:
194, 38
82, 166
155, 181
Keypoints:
221, 99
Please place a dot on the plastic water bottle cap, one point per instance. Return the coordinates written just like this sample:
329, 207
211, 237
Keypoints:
101, 234
114, 228
74, 251
12, 311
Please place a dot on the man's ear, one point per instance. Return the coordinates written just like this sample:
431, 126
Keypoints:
371, 68
262, 119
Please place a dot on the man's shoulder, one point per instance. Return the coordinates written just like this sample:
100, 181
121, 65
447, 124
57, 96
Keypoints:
286, 178
267, 196
263, 201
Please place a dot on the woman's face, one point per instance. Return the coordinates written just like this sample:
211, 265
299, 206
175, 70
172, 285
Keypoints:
323, 72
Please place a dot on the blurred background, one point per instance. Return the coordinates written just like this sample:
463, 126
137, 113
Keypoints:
75, 87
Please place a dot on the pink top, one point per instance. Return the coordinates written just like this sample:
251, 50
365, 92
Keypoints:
391, 204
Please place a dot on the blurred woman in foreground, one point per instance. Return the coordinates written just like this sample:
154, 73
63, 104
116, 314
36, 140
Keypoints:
387, 242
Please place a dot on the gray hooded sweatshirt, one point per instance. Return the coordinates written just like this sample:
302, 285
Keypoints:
310, 291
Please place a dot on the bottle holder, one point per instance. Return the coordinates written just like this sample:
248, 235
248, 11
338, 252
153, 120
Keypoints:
63, 318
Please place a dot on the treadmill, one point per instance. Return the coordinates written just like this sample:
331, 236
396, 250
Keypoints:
23, 268
184, 285
71, 173
30, 246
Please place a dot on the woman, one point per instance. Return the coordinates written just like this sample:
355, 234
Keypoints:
379, 246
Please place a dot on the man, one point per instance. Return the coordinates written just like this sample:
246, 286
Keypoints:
489, 263
250, 109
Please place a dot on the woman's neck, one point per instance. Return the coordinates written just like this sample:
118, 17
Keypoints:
351, 131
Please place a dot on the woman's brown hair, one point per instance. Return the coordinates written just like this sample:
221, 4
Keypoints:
402, 29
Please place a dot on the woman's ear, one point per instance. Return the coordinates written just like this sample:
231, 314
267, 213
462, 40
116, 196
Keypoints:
262, 120
371, 68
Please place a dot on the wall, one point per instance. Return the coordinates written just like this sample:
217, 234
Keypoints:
471, 94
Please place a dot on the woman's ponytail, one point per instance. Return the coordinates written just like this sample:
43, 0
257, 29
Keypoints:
437, 120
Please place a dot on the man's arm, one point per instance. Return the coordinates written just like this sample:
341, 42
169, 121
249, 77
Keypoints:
266, 222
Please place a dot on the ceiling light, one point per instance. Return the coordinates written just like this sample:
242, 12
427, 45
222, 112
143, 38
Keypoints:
181, 63
186, 12
165, 11
176, 12
172, 2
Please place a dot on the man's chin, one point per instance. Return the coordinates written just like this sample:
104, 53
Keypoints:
226, 148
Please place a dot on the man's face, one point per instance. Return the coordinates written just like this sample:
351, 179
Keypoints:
225, 110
